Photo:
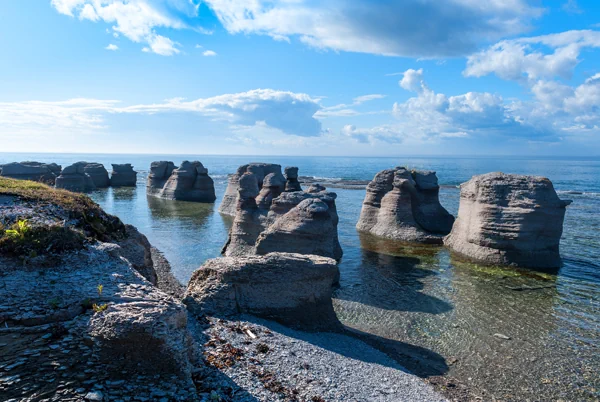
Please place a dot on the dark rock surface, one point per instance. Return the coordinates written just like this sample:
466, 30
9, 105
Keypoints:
508, 219
123, 175
404, 205
98, 173
74, 178
30, 170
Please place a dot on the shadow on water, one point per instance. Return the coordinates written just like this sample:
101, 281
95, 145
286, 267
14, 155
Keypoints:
391, 282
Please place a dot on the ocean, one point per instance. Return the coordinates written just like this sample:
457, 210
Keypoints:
443, 316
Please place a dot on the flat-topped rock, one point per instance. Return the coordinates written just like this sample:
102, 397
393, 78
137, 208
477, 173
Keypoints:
508, 219
98, 173
291, 288
123, 175
74, 178
189, 182
269, 219
261, 170
30, 170
291, 176
404, 205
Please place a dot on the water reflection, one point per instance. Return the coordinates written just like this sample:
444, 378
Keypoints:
183, 211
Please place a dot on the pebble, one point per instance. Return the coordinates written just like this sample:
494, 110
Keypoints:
94, 396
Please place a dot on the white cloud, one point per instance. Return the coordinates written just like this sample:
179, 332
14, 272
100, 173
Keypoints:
209, 53
412, 80
291, 113
137, 20
528, 58
112, 47
571, 7
384, 133
198, 46
413, 28
345, 110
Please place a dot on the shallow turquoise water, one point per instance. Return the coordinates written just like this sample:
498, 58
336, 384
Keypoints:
422, 296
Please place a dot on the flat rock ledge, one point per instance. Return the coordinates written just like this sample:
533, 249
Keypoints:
404, 205
508, 219
123, 175
31, 170
189, 182
291, 288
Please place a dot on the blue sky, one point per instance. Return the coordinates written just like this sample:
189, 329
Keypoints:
301, 77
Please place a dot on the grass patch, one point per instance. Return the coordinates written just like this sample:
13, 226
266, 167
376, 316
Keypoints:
90, 221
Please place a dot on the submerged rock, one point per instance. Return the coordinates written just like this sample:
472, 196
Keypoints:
261, 170
270, 219
404, 205
189, 182
30, 170
291, 288
74, 178
509, 219
123, 175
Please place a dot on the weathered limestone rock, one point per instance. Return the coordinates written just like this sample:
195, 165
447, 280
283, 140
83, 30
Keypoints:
123, 175
291, 175
291, 288
29, 170
98, 173
509, 219
404, 205
294, 222
190, 182
74, 178
261, 170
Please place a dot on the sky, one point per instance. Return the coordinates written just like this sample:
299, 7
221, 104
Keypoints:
301, 77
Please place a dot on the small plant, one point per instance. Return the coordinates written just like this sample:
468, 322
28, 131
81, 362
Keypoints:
18, 231
54, 303
99, 308
99, 289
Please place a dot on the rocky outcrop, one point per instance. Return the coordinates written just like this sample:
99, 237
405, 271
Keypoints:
291, 288
36, 171
123, 175
98, 173
74, 178
404, 205
260, 170
190, 182
291, 176
293, 222
507, 219
87, 295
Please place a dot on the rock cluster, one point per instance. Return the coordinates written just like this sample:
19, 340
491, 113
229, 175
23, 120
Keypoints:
123, 175
74, 178
276, 184
509, 219
269, 220
189, 182
404, 205
36, 171
291, 288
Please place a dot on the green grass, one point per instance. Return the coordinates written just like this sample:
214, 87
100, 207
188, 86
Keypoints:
27, 240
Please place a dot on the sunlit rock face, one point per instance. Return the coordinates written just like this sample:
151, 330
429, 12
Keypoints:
123, 175
189, 182
270, 219
404, 205
508, 219
74, 178
261, 171
36, 171
291, 288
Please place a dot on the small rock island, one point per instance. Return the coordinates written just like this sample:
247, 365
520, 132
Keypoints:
509, 219
189, 182
404, 205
